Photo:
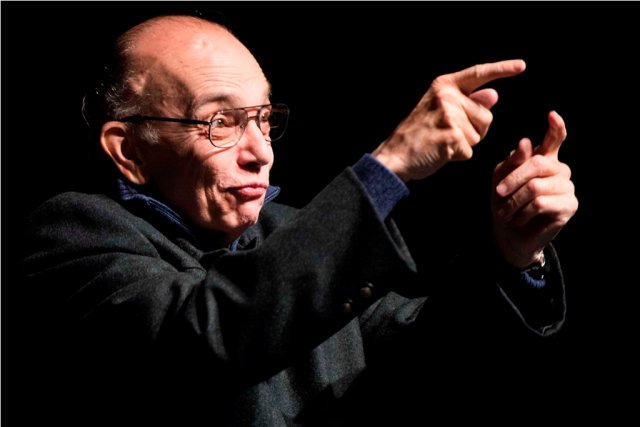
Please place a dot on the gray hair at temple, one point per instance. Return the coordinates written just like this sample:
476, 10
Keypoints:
112, 97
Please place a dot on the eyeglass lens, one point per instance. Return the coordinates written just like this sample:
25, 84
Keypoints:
227, 126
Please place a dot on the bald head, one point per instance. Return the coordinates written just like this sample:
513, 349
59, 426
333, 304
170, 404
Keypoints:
171, 35
171, 59
152, 63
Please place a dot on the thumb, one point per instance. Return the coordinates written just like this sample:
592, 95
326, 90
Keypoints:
556, 133
485, 97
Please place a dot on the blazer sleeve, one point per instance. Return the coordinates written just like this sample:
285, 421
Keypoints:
474, 303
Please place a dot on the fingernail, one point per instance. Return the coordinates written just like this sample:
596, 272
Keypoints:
501, 189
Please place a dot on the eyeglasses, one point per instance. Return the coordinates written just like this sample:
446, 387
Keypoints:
226, 127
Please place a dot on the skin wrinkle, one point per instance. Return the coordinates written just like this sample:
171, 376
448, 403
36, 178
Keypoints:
185, 169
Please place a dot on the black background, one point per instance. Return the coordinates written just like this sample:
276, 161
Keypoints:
350, 73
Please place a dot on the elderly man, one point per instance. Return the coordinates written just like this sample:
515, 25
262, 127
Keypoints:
188, 293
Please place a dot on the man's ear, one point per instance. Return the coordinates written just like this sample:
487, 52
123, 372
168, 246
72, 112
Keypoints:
118, 143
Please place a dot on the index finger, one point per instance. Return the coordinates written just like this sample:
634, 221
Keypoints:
556, 134
472, 78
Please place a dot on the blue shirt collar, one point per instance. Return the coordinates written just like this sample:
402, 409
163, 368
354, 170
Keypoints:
131, 194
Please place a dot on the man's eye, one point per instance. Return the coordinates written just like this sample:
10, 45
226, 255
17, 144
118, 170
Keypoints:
223, 120
264, 116
218, 122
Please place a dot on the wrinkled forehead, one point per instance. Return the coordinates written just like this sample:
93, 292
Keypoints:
197, 65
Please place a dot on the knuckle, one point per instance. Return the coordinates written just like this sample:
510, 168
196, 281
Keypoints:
571, 188
447, 151
486, 116
466, 153
538, 161
475, 138
483, 123
538, 205
534, 186
444, 95
456, 136
476, 70
440, 82
559, 222
446, 120
451, 145
513, 203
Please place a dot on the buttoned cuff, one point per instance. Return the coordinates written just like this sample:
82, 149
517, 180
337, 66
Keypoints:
384, 187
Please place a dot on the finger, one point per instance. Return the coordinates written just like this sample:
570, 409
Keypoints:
523, 152
558, 208
472, 78
454, 119
460, 137
478, 115
485, 97
535, 166
556, 133
555, 185
471, 134
458, 110
516, 158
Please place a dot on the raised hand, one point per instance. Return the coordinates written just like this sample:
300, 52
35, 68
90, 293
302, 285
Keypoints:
533, 196
449, 120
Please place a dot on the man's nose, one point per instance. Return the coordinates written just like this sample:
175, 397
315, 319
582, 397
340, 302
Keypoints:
255, 147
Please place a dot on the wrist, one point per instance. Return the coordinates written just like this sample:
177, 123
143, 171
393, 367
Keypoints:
538, 267
525, 262
533, 271
513, 254
392, 163
538, 260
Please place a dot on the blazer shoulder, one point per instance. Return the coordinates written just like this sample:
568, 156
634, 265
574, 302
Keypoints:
74, 203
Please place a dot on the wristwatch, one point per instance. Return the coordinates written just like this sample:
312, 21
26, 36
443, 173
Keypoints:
537, 269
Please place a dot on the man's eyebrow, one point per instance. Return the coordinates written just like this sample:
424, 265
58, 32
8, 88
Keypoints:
222, 98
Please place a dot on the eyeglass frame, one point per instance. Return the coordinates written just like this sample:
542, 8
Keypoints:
142, 118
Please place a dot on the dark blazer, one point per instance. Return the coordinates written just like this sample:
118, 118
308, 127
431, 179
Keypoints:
142, 323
